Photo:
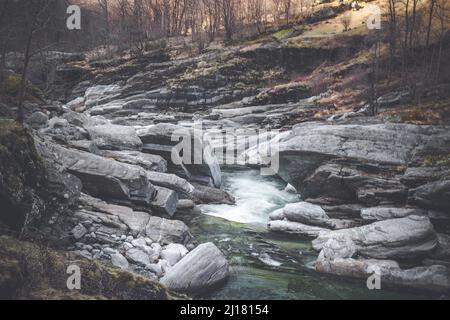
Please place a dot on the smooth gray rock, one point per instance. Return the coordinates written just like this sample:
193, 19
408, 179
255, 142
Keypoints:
114, 137
119, 261
102, 177
385, 213
202, 269
173, 253
277, 215
165, 202
185, 204
403, 238
167, 231
434, 195
306, 213
310, 144
199, 148
147, 161
171, 181
208, 195
295, 228
79, 231
138, 256
430, 278
38, 120
135, 221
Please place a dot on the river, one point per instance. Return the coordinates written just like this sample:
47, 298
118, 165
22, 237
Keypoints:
265, 265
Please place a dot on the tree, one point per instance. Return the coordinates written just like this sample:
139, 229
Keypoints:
346, 20
36, 18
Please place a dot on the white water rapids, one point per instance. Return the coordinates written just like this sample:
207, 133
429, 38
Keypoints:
256, 197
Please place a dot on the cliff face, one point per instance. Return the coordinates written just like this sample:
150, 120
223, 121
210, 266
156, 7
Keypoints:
21, 175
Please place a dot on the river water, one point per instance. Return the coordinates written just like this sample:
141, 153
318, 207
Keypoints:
265, 265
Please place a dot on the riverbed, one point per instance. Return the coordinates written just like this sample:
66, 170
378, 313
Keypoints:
265, 265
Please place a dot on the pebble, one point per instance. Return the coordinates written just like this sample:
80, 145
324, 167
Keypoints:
109, 250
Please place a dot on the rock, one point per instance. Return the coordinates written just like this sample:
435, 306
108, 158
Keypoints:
385, 213
173, 253
101, 94
306, 213
277, 215
347, 183
57, 122
79, 231
290, 189
295, 228
185, 204
119, 261
109, 251
201, 269
310, 144
172, 135
147, 161
417, 176
442, 251
208, 195
171, 181
156, 269
101, 176
38, 120
136, 221
434, 195
165, 202
431, 278
167, 231
114, 137
138, 256
409, 237
394, 98
76, 104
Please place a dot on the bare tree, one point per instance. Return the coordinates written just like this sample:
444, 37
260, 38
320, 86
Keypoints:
346, 20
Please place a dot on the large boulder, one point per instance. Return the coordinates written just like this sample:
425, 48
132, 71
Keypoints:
100, 176
135, 221
202, 269
311, 144
435, 195
115, 137
201, 162
409, 237
171, 181
306, 213
430, 278
167, 231
350, 182
165, 202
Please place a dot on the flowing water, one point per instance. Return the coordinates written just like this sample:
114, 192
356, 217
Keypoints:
265, 265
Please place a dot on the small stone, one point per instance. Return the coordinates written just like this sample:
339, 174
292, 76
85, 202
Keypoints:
138, 256
123, 237
156, 269
109, 251
79, 231
127, 246
119, 261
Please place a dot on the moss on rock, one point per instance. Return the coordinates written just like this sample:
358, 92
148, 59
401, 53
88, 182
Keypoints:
30, 271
